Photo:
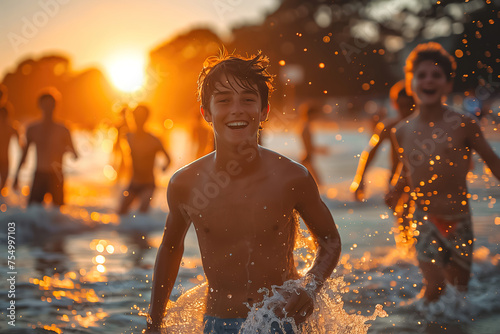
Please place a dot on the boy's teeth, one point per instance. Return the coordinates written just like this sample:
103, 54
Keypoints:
237, 123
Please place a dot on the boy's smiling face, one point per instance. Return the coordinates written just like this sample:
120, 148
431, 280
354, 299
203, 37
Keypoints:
430, 84
235, 111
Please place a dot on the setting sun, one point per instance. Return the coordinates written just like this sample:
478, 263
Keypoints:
126, 71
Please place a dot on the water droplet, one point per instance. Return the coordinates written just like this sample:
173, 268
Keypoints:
211, 289
265, 207
230, 254
249, 281
252, 263
200, 215
229, 296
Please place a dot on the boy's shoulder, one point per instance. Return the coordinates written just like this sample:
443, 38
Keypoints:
274, 164
405, 123
41, 125
454, 113
186, 174
282, 166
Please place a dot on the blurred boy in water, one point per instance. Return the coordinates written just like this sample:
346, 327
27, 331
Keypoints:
435, 145
6, 133
404, 106
51, 140
118, 160
309, 112
241, 200
143, 148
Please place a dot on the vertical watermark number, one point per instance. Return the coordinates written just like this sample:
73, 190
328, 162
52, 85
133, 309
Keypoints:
11, 273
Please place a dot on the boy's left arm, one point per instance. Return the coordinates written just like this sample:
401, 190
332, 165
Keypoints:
167, 156
69, 145
162, 149
320, 223
482, 147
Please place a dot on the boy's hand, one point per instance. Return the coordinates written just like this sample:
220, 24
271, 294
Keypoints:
152, 330
299, 305
359, 193
153, 327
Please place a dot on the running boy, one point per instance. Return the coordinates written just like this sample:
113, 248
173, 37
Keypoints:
143, 148
241, 200
435, 144
52, 140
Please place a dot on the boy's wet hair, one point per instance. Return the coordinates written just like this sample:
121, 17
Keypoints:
246, 71
49, 92
429, 51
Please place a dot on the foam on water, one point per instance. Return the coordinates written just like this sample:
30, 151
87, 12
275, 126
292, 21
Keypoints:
36, 221
464, 307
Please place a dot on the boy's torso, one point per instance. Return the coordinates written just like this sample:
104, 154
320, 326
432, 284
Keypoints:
6, 132
438, 158
143, 149
246, 230
52, 140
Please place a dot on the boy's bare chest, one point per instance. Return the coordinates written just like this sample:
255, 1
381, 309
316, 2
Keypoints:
253, 207
437, 143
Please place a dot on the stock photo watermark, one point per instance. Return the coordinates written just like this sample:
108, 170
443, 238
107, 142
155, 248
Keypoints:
223, 7
32, 24
11, 273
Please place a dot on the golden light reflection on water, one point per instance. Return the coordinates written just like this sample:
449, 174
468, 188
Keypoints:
69, 286
89, 217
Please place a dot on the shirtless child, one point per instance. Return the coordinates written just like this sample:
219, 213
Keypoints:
143, 148
51, 140
435, 144
241, 200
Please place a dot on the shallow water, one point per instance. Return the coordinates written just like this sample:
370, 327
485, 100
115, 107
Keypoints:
86, 270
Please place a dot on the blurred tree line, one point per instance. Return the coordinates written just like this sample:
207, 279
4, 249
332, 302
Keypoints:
324, 50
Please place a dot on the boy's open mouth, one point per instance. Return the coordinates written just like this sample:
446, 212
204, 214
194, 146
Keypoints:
237, 125
429, 91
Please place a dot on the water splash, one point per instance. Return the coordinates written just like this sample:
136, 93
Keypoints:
329, 315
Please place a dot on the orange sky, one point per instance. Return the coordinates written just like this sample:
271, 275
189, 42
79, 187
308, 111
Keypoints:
91, 32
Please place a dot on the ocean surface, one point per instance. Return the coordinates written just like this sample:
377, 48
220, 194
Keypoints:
84, 269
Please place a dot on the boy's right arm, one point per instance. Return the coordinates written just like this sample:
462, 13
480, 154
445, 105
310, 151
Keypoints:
401, 176
168, 258
481, 146
357, 186
25, 148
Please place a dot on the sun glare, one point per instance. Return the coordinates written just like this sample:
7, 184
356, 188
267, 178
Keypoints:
126, 71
